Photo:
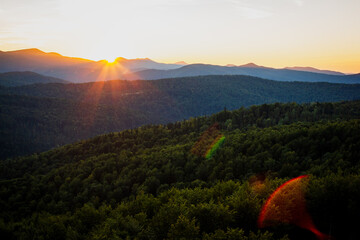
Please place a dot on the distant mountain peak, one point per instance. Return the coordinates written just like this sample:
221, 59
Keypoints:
103, 61
252, 65
314, 70
54, 53
181, 63
120, 59
143, 59
29, 51
248, 65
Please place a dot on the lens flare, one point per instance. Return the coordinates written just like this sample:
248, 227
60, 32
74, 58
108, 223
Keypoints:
215, 146
209, 142
287, 204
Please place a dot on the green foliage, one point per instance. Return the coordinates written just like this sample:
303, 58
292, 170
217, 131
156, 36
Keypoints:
184, 229
145, 183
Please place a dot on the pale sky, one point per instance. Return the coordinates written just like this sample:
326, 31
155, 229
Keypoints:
277, 33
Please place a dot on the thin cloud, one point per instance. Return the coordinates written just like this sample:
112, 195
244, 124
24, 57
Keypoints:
298, 2
250, 11
253, 13
170, 3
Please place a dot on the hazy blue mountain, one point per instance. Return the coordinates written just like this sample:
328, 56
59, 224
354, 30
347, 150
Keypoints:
146, 63
251, 65
250, 70
12, 79
315, 70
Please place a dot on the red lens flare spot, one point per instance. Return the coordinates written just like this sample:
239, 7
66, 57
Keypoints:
287, 204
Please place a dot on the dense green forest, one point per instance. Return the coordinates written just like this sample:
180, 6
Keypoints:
147, 183
38, 117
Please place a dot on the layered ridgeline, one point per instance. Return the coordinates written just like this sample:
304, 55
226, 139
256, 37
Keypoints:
38, 117
155, 182
250, 70
79, 70
73, 69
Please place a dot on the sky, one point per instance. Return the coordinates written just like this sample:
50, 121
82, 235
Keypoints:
320, 33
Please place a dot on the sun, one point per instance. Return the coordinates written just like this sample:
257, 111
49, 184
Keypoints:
111, 60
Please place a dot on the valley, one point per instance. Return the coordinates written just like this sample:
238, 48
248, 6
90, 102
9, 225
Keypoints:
38, 117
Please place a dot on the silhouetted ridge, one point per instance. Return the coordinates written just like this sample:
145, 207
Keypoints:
250, 65
12, 79
28, 51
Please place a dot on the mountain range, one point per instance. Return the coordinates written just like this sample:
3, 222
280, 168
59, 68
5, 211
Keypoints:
249, 69
78, 70
311, 69
39, 110
73, 69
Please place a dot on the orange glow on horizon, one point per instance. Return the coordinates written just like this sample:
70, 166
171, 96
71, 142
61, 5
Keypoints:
111, 61
273, 33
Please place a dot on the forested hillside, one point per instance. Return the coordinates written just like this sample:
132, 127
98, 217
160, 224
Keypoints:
147, 183
39, 117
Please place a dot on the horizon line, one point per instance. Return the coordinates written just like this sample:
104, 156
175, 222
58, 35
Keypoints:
177, 62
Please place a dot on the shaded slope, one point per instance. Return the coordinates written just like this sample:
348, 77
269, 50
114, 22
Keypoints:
315, 70
12, 79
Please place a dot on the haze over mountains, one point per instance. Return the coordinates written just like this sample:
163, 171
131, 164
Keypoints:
262, 72
79, 70
73, 69
311, 69
38, 117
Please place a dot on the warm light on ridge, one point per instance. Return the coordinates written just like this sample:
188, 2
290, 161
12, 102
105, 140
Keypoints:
111, 61
270, 33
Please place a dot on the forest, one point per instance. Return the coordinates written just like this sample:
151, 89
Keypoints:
38, 117
155, 182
